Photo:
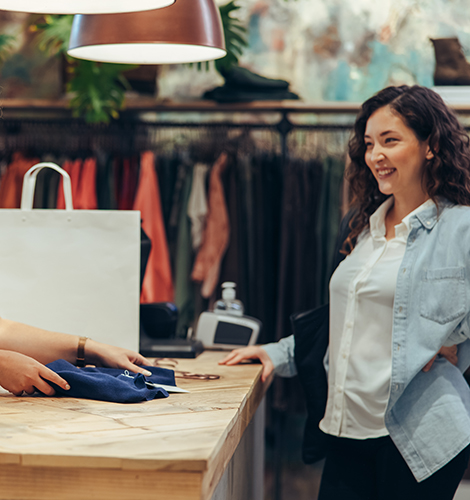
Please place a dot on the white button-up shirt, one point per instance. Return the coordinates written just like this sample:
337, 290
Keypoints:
362, 291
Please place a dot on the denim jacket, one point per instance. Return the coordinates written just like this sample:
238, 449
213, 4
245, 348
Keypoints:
428, 414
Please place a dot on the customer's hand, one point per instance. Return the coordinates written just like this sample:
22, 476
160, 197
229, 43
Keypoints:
20, 373
111, 356
450, 353
247, 353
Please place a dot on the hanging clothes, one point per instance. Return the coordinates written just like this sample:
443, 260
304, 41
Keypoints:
3, 167
266, 183
126, 179
72, 167
158, 284
197, 204
12, 181
86, 198
60, 201
183, 170
299, 268
184, 287
51, 181
329, 221
167, 171
234, 261
129, 183
216, 234
105, 182
44, 184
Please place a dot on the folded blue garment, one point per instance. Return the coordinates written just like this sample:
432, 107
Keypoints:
111, 384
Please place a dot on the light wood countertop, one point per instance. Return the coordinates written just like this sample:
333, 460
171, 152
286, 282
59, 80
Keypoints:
177, 448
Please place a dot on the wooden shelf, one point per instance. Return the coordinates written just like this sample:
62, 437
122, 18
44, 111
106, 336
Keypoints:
149, 104
26, 108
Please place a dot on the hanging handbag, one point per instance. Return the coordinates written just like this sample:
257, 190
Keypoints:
72, 271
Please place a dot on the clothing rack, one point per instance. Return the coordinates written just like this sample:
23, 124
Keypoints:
44, 127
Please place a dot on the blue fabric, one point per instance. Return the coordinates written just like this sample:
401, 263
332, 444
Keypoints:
111, 384
428, 414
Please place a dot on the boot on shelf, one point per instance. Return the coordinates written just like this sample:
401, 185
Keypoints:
452, 68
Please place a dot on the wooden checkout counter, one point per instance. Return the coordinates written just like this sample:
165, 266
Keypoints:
205, 445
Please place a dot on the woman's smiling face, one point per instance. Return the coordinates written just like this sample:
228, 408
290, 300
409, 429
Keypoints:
395, 156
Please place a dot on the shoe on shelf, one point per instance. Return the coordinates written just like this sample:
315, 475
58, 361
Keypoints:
452, 68
237, 76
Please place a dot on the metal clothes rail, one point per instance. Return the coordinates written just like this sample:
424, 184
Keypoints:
49, 126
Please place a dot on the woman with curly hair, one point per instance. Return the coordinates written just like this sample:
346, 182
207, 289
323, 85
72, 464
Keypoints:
397, 414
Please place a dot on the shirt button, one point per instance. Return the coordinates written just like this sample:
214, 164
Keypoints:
404, 270
349, 324
400, 309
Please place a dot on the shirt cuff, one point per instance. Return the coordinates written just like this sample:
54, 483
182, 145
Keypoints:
282, 356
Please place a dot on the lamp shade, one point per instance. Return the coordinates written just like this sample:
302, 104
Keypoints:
82, 6
188, 31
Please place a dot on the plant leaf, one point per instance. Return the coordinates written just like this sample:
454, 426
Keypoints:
234, 39
7, 43
54, 33
100, 90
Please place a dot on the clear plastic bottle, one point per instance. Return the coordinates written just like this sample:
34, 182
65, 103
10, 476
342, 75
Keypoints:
229, 304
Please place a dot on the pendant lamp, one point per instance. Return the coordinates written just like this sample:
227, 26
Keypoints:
188, 31
82, 6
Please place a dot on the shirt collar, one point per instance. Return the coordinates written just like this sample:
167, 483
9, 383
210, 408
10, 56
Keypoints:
377, 219
428, 217
407, 220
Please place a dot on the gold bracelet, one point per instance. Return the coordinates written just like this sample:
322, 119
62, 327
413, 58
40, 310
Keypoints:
81, 351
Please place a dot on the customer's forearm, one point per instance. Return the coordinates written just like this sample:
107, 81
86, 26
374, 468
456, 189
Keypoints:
42, 345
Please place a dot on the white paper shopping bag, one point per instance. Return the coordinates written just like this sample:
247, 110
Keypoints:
72, 271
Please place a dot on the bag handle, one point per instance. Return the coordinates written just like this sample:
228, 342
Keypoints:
29, 185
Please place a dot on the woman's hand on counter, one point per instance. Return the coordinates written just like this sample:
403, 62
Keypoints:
111, 356
248, 353
20, 373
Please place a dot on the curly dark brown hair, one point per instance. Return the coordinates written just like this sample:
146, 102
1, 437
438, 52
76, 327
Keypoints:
447, 174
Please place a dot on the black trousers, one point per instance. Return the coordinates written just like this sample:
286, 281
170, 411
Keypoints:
373, 469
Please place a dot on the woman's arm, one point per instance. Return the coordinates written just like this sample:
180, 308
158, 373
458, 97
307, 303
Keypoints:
42, 345
45, 346
277, 357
